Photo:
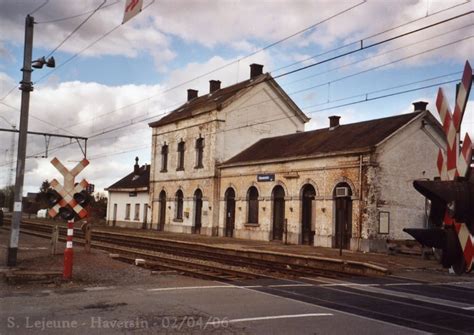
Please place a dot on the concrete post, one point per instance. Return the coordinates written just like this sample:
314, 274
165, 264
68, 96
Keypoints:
26, 87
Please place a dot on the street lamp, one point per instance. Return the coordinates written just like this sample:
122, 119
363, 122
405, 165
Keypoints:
26, 86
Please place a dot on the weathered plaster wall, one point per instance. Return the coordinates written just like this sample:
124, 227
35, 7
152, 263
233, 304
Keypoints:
407, 156
324, 174
123, 198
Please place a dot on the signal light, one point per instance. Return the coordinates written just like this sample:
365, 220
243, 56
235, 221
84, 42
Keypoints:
67, 213
82, 198
454, 198
52, 197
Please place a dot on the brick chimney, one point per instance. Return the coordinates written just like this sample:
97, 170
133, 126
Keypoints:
214, 85
419, 106
136, 167
255, 70
334, 121
192, 94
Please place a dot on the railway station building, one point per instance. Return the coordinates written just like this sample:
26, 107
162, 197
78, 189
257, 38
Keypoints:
128, 200
237, 162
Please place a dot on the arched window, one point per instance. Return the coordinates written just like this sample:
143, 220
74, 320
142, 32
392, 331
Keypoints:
179, 205
164, 158
252, 198
199, 152
181, 149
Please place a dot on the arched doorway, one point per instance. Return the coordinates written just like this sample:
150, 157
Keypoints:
197, 211
162, 215
230, 212
307, 231
278, 196
343, 212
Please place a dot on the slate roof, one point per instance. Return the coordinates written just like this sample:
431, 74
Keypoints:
349, 137
215, 100
132, 181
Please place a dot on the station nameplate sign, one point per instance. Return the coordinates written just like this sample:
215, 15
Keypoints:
266, 177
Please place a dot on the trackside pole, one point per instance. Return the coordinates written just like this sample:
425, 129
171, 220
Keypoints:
68, 252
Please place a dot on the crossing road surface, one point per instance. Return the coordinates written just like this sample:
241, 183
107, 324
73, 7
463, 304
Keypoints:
184, 305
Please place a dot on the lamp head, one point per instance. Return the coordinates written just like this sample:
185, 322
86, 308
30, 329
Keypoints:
38, 64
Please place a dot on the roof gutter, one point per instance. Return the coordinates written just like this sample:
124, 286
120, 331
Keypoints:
297, 158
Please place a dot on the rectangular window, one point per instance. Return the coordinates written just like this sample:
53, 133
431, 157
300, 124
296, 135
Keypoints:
179, 205
164, 158
127, 212
181, 149
199, 152
137, 212
253, 205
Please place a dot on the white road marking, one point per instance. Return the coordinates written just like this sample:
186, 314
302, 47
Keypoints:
403, 284
197, 287
269, 318
331, 309
288, 285
99, 288
347, 285
470, 308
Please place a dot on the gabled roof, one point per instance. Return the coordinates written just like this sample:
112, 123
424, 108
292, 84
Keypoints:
344, 138
217, 99
133, 182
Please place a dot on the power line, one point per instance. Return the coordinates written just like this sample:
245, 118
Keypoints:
312, 87
382, 65
77, 15
378, 43
86, 48
362, 47
371, 36
38, 119
38, 8
329, 59
286, 117
215, 70
380, 54
77, 28
384, 89
384, 96
299, 91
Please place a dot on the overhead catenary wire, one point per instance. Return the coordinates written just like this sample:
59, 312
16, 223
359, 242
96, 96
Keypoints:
380, 54
90, 45
228, 64
99, 156
423, 28
91, 138
39, 7
76, 15
353, 74
365, 47
151, 117
358, 50
77, 28
371, 36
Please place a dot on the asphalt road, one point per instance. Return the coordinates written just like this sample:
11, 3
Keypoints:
181, 305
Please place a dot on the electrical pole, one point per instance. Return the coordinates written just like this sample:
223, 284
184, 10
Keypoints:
26, 87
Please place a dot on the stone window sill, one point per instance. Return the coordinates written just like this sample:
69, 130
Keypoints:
177, 220
249, 224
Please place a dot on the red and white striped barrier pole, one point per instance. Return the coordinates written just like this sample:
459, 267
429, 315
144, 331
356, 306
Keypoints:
68, 252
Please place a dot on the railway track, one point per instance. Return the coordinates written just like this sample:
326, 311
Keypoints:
153, 260
189, 258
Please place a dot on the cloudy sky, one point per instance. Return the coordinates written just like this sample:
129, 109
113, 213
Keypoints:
111, 80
